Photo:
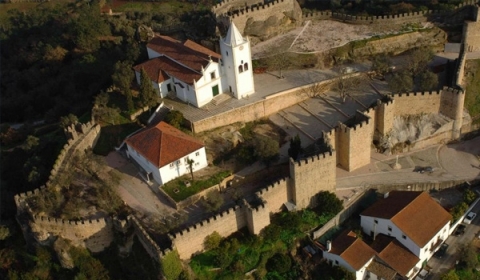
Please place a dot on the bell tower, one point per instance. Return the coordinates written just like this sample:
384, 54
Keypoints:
237, 63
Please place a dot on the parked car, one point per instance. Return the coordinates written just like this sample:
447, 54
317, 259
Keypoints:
469, 218
441, 251
424, 169
460, 230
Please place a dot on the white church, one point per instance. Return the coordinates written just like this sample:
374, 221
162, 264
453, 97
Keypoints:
195, 74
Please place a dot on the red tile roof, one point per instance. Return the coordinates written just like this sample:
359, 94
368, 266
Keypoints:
393, 253
162, 68
416, 214
163, 144
190, 54
352, 249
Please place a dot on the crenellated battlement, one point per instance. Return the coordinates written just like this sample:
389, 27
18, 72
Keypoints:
271, 187
148, 243
245, 9
453, 90
418, 93
54, 221
358, 121
312, 159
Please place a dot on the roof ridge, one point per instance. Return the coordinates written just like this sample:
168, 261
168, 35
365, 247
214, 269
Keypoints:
408, 204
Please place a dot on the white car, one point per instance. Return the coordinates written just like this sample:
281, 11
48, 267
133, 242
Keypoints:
469, 218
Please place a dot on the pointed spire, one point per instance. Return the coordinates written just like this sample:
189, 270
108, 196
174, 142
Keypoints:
233, 37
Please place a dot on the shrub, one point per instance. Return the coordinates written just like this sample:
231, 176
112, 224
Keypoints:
212, 241
279, 262
175, 118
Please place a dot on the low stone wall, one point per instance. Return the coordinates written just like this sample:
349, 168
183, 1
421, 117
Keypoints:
254, 111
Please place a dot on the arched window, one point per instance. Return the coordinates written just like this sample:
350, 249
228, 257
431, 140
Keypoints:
240, 69
245, 66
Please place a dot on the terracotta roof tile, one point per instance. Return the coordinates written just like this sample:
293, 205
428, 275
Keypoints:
190, 54
163, 144
382, 271
352, 249
416, 214
162, 68
394, 254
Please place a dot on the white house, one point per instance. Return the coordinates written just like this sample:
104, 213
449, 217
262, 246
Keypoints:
405, 229
416, 220
195, 74
163, 151
384, 258
351, 253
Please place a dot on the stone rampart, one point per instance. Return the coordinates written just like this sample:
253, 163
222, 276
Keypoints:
354, 141
256, 110
93, 234
191, 240
275, 195
471, 32
414, 103
80, 137
148, 243
241, 14
257, 217
310, 176
384, 115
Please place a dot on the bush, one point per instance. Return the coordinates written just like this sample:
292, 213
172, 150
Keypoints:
212, 241
175, 118
279, 262
328, 203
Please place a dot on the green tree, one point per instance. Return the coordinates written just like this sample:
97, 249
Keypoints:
122, 78
147, 92
328, 203
381, 64
88, 267
4, 232
401, 82
280, 263
266, 148
175, 118
458, 210
102, 99
171, 265
468, 256
212, 241
451, 275
30, 143
68, 120
417, 61
295, 147
427, 80
213, 201
469, 196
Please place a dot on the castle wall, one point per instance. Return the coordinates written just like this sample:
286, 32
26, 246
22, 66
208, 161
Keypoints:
190, 241
275, 195
471, 32
354, 144
310, 176
263, 108
384, 115
260, 12
148, 243
452, 106
415, 103
257, 218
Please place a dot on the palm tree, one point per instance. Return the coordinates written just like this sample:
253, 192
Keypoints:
190, 166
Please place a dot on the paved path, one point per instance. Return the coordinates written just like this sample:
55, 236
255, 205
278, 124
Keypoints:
452, 162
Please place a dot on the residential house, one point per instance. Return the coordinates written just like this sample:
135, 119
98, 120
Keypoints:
195, 74
404, 228
163, 152
415, 219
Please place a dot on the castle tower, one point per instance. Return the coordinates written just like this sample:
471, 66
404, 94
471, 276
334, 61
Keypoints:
310, 176
452, 105
237, 63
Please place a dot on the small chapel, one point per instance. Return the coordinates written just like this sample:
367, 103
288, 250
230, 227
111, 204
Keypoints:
195, 74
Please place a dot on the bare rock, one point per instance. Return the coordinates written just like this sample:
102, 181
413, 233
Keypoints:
61, 248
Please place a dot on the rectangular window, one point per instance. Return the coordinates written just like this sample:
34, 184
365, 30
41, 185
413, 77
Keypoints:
375, 221
178, 162
389, 228
172, 165
197, 154
336, 262
404, 236
212, 75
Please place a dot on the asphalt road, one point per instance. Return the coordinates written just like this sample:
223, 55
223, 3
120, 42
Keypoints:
442, 265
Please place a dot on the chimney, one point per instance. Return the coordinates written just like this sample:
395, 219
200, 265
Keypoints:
329, 245
386, 194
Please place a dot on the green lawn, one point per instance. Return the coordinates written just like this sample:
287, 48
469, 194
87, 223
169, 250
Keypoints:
196, 186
